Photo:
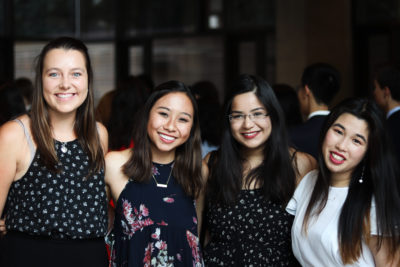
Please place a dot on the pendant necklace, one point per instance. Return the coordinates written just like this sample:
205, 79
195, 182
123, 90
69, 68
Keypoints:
166, 184
64, 149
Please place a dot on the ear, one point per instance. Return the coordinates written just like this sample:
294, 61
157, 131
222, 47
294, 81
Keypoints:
387, 93
307, 90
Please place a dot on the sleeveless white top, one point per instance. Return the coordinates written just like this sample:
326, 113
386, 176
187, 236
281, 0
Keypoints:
320, 247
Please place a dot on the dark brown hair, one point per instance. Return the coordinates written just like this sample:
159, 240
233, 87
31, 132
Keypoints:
187, 165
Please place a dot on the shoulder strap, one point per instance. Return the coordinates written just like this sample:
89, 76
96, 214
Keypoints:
29, 139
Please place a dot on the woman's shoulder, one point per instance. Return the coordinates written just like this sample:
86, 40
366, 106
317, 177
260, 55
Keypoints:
13, 131
304, 163
117, 158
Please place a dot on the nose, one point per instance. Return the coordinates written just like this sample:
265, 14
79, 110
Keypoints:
65, 83
247, 122
170, 125
341, 144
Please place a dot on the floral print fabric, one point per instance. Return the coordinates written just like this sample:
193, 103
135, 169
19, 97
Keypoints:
155, 226
251, 232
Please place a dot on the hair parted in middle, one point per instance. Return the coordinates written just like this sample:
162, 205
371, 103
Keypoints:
275, 175
188, 160
380, 174
85, 122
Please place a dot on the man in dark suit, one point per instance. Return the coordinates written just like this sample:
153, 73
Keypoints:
319, 84
387, 96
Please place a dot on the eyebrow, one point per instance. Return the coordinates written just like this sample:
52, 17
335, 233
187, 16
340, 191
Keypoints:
168, 109
58, 69
358, 135
254, 109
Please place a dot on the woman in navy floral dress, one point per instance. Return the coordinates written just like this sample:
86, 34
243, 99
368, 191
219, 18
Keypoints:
156, 183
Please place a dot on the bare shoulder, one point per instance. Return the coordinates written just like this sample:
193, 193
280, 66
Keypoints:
103, 135
114, 175
204, 171
101, 128
116, 159
304, 163
12, 133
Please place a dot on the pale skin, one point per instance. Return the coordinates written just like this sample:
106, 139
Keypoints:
344, 147
252, 135
64, 73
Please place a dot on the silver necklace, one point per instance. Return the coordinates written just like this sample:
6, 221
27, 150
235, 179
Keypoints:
166, 184
64, 149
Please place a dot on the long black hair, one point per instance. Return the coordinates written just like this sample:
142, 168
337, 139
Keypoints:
275, 175
187, 165
380, 174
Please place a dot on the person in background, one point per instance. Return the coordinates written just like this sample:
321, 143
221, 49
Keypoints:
127, 101
11, 102
320, 82
387, 96
52, 167
251, 178
26, 87
289, 102
155, 184
206, 95
347, 211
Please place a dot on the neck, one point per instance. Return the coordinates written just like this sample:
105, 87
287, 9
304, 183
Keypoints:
254, 157
162, 157
391, 105
62, 127
314, 106
340, 180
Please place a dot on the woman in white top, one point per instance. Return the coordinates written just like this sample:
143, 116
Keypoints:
347, 212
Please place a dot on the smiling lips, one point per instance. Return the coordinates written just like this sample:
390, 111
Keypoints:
166, 138
336, 158
65, 95
250, 135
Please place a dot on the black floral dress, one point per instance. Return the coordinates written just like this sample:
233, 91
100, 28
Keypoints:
251, 232
156, 226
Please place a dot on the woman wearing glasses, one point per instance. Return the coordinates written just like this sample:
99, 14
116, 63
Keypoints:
251, 178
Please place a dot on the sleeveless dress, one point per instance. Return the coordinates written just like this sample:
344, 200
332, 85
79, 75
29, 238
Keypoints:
57, 219
155, 226
251, 232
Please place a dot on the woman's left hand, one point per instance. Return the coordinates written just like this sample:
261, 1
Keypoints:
3, 230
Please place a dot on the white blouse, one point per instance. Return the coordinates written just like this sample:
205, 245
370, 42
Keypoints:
320, 246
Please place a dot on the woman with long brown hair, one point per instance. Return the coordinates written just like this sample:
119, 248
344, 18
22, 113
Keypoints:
155, 184
52, 167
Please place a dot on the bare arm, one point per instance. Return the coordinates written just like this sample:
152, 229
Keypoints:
114, 176
11, 145
381, 256
201, 198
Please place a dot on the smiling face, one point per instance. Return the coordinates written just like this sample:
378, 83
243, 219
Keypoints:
169, 126
251, 133
344, 146
65, 81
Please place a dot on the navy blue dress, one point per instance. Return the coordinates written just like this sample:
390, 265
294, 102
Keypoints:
156, 226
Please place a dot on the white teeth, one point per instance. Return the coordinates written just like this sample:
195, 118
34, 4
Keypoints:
169, 138
337, 157
249, 134
64, 95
